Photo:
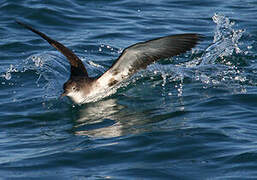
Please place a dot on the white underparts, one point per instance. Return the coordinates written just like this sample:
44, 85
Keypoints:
105, 86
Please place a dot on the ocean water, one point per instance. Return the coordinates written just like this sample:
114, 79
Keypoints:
193, 116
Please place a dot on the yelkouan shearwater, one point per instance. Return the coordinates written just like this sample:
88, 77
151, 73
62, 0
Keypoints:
83, 89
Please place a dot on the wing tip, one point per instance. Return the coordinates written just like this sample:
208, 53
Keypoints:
77, 67
20, 23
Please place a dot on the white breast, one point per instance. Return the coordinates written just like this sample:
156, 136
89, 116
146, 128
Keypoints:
76, 96
103, 87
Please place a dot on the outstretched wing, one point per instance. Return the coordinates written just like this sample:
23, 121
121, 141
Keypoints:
77, 68
139, 55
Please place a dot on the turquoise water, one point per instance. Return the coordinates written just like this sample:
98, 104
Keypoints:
188, 117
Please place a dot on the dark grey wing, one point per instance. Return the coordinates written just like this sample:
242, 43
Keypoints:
77, 68
140, 55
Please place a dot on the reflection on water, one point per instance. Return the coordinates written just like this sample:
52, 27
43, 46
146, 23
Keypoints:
108, 118
100, 119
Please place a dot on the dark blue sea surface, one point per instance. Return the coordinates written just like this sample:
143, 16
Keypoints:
193, 116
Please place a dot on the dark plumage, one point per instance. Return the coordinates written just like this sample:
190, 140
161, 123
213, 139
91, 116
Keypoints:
81, 88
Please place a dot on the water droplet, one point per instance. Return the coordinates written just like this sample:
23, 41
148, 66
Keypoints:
8, 76
249, 47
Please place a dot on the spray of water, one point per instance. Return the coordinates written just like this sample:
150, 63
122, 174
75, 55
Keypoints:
220, 64
225, 41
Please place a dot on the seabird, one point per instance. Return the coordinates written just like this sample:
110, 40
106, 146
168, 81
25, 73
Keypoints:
82, 89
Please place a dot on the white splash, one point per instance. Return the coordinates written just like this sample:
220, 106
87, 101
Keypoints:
38, 60
225, 41
8, 74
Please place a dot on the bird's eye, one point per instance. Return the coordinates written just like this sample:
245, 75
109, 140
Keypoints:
74, 88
